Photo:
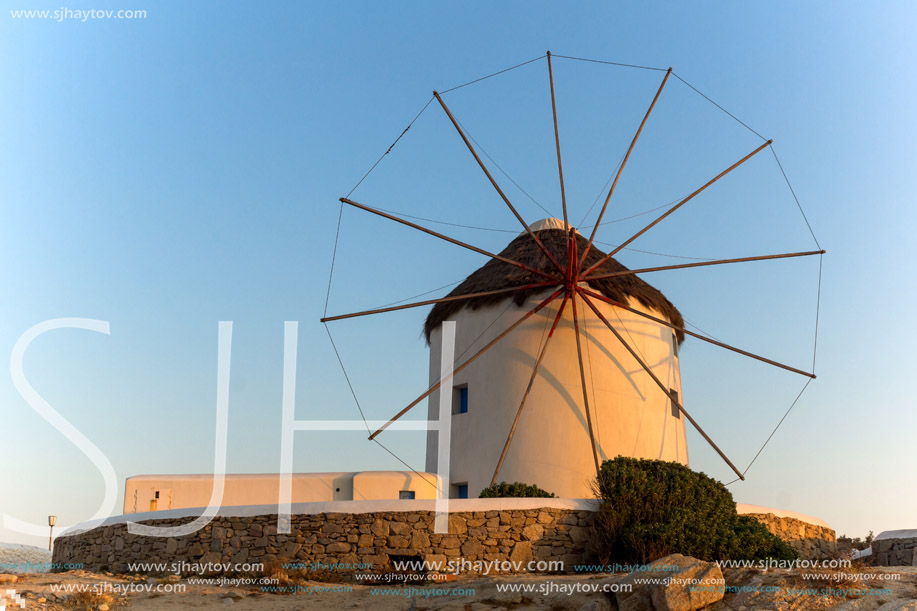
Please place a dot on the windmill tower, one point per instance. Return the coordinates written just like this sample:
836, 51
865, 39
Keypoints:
550, 445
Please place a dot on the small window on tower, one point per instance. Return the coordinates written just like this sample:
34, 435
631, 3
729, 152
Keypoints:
673, 399
406, 495
674, 345
460, 399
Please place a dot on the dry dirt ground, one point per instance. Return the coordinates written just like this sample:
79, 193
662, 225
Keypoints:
772, 590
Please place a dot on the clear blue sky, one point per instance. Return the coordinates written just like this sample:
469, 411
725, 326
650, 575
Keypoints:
168, 173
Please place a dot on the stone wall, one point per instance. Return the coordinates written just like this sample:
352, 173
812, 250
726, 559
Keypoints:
894, 552
518, 535
372, 533
810, 541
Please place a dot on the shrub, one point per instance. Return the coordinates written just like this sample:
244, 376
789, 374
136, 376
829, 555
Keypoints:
652, 508
753, 541
516, 489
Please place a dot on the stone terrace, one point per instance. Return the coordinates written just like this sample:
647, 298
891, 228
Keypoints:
518, 536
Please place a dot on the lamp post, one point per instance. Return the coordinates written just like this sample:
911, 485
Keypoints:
51, 521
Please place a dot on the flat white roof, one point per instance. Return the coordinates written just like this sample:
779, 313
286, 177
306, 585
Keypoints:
235, 476
210, 476
907, 533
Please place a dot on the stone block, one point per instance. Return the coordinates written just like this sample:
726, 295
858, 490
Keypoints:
521, 552
331, 528
379, 528
883, 545
420, 540
674, 594
337, 548
533, 532
450, 542
400, 528
457, 525
472, 549
289, 549
211, 558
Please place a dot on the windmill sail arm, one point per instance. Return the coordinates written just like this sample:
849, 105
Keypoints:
560, 165
662, 321
659, 383
661, 217
621, 169
582, 375
417, 304
495, 185
445, 237
645, 270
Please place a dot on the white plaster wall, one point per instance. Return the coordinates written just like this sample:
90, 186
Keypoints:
551, 447
385, 485
186, 491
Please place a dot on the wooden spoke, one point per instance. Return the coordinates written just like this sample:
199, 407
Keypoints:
447, 238
621, 169
675, 207
582, 375
418, 304
489, 345
659, 383
495, 185
701, 264
512, 430
662, 321
560, 167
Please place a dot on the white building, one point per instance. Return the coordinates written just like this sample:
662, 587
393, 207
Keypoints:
144, 493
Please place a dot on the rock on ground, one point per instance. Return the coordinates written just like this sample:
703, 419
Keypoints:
681, 583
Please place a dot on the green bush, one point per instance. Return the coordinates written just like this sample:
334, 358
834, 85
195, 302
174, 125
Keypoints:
516, 489
652, 508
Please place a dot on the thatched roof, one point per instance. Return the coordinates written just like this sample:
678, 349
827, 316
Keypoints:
497, 274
